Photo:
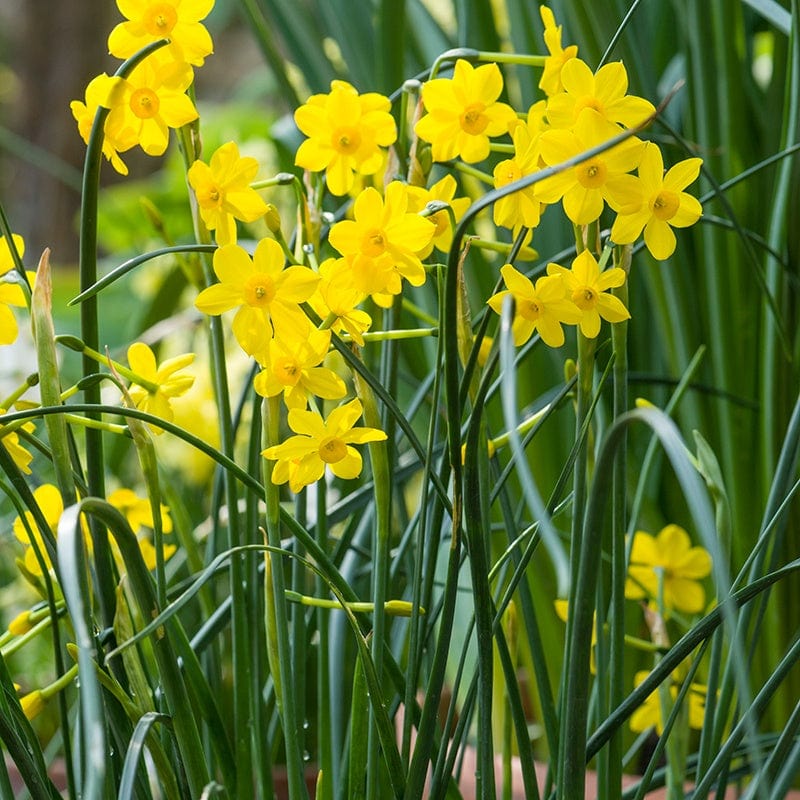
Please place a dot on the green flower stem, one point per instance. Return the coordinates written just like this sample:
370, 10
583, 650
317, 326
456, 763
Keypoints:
327, 765
108, 427
280, 624
393, 336
396, 608
30, 381
18, 642
73, 343
616, 671
422, 315
382, 487
90, 333
513, 58
238, 568
474, 172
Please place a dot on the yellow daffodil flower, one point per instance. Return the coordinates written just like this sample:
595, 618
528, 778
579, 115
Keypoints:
550, 82
223, 191
603, 178
681, 567
293, 369
543, 307
159, 383
301, 459
346, 132
10, 440
383, 240
96, 95
267, 295
11, 294
463, 112
649, 715
151, 20
604, 91
48, 498
588, 289
522, 208
444, 191
138, 511
150, 101
336, 297
663, 203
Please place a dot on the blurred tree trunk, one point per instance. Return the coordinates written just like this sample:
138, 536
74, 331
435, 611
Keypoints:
54, 48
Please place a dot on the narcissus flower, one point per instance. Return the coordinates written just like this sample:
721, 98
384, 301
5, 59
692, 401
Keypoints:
97, 95
522, 207
301, 459
150, 101
649, 714
292, 368
338, 299
48, 498
10, 440
602, 178
588, 289
151, 20
383, 240
11, 294
223, 191
663, 203
550, 82
463, 112
159, 383
604, 91
670, 559
444, 191
542, 307
346, 133
267, 295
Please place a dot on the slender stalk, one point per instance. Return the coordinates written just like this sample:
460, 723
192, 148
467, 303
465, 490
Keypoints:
286, 700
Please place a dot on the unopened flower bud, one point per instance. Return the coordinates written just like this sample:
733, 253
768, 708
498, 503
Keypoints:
33, 703
273, 219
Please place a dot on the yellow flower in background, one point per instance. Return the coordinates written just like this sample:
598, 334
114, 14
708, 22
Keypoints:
346, 132
383, 240
150, 101
681, 568
521, 208
223, 192
663, 204
588, 289
336, 297
292, 368
301, 459
48, 498
550, 82
10, 440
151, 20
648, 715
444, 191
266, 295
97, 95
584, 188
11, 294
604, 91
463, 112
160, 383
542, 307
138, 511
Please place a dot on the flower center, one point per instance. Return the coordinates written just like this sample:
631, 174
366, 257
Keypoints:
592, 174
160, 19
287, 371
346, 140
665, 205
529, 309
210, 197
508, 174
473, 120
144, 103
332, 449
588, 102
373, 243
259, 290
584, 297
